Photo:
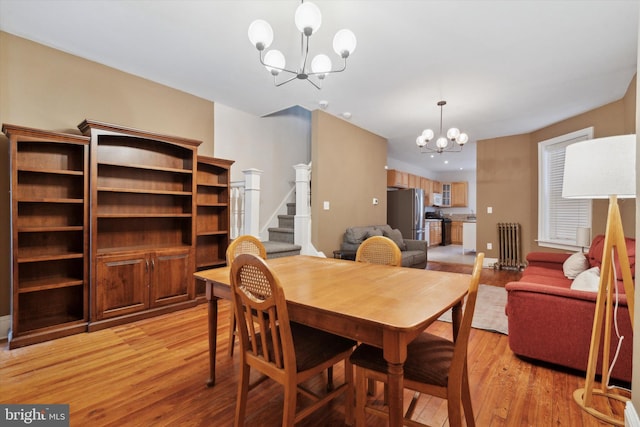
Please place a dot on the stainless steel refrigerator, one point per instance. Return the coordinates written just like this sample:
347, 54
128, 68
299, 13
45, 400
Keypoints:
405, 211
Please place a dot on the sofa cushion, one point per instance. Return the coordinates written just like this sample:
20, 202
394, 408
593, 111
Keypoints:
574, 265
597, 247
396, 236
533, 270
588, 280
374, 232
356, 235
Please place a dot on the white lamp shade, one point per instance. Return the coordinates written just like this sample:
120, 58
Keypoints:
453, 133
321, 64
420, 141
442, 142
308, 18
274, 61
427, 134
599, 168
583, 236
463, 139
260, 34
344, 43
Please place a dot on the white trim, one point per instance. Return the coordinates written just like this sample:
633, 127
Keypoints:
489, 262
5, 324
543, 197
631, 416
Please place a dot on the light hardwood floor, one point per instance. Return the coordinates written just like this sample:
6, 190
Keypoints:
153, 373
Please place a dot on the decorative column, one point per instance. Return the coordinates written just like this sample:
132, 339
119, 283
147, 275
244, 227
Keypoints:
252, 201
237, 209
302, 220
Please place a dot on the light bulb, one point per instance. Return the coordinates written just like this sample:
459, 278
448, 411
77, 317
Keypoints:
260, 34
420, 142
344, 43
321, 64
453, 133
427, 134
274, 61
308, 18
462, 139
442, 142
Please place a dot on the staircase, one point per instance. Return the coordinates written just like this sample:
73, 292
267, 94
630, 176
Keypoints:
280, 243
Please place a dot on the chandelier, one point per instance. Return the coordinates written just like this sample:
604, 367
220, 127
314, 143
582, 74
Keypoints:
453, 141
307, 19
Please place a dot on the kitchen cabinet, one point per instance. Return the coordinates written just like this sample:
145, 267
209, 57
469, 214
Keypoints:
454, 194
414, 181
459, 191
435, 232
425, 184
397, 179
456, 232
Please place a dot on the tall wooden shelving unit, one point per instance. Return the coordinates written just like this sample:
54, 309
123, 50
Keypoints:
143, 214
49, 234
213, 215
108, 227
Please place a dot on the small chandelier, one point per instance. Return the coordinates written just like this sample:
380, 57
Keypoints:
452, 142
308, 19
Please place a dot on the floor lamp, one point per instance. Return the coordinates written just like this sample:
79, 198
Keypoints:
599, 169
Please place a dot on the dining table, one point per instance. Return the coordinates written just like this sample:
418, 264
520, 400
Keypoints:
384, 306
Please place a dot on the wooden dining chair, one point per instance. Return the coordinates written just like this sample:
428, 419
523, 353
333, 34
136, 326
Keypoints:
287, 352
434, 366
379, 250
245, 244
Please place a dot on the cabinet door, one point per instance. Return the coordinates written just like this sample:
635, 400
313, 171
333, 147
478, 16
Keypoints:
122, 285
171, 279
459, 192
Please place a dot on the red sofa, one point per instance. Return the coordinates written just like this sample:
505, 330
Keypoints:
551, 322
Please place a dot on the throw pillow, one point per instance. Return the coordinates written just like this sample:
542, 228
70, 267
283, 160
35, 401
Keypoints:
396, 236
588, 280
372, 233
574, 265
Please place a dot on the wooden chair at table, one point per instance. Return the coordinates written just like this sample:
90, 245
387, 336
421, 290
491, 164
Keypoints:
434, 366
245, 244
287, 352
379, 250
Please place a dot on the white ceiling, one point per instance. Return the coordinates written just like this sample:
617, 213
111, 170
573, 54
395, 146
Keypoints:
504, 67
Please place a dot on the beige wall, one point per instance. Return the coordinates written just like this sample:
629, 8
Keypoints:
48, 89
348, 171
507, 174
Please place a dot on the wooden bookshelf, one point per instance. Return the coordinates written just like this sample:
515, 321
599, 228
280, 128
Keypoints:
49, 234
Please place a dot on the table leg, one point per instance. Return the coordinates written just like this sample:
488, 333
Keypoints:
395, 376
213, 328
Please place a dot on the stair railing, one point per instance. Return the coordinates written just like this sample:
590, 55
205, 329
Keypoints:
236, 216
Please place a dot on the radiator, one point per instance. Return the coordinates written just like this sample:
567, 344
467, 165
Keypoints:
510, 252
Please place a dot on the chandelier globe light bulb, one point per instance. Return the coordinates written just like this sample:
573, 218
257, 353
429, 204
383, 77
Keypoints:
274, 61
453, 133
321, 64
308, 18
442, 142
344, 43
427, 134
260, 34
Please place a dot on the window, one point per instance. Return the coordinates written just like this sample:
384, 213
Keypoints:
559, 218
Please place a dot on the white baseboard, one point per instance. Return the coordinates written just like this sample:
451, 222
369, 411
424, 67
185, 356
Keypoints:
5, 324
631, 416
489, 262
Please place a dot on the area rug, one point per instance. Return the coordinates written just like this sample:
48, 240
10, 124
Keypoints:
489, 314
